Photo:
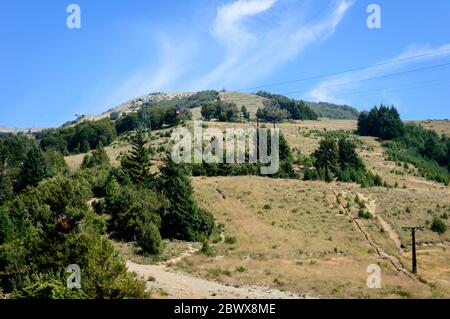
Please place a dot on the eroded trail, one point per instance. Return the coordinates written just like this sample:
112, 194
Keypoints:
380, 251
371, 205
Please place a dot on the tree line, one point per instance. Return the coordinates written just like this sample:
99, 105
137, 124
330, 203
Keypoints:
408, 143
278, 108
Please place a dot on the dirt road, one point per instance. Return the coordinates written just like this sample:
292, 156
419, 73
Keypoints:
182, 285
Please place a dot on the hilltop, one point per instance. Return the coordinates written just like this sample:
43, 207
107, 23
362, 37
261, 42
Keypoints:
193, 101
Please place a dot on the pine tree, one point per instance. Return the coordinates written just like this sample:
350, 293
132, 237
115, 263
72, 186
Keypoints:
149, 239
327, 157
183, 220
245, 113
6, 188
34, 168
348, 158
137, 162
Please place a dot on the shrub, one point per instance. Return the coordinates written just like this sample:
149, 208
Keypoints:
131, 206
241, 269
230, 240
365, 214
105, 274
149, 239
438, 226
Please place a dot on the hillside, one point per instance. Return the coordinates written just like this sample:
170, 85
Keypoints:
333, 111
285, 237
305, 237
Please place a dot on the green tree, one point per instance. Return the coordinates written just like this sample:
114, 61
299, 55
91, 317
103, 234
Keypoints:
105, 274
114, 115
6, 187
137, 162
272, 113
130, 207
99, 157
6, 226
207, 112
183, 219
149, 239
245, 113
327, 157
127, 123
383, 122
34, 168
55, 162
348, 158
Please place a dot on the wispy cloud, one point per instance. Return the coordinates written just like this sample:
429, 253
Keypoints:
250, 40
333, 87
174, 60
253, 52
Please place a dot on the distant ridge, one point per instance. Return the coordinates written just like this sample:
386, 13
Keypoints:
334, 111
251, 101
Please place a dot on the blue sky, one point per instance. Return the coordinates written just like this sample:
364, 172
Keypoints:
125, 49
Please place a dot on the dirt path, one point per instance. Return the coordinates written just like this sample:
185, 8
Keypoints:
182, 285
380, 251
372, 207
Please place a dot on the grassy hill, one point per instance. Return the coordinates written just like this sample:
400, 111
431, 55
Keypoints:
251, 101
325, 110
306, 237
333, 111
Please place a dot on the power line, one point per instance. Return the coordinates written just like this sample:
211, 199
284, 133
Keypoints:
437, 66
364, 93
315, 77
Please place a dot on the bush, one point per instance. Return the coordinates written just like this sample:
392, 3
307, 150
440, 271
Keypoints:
105, 274
365, 214
96, 158
438, 226
44, 286
230, 240
149, 239
131, 206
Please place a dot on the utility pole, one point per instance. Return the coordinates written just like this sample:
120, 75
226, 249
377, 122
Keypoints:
413, 243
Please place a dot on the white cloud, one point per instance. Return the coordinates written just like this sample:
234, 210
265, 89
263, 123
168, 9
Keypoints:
254, 50
330, 88
256, 37
228, 23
